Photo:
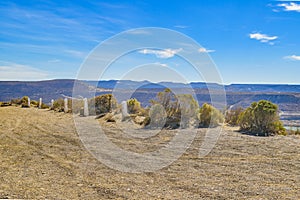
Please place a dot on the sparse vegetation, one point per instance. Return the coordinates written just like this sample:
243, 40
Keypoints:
4, 104
134, 107
24, 102
34, 103
58, 105
173, 111
261, 118
209, 116
51, 147
102, 104
45, 106
232, 116
189, 110
170, 105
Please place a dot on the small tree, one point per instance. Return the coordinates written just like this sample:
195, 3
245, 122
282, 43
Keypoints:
209, 116
261, 118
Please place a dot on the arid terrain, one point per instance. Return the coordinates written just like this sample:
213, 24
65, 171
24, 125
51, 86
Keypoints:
42, 157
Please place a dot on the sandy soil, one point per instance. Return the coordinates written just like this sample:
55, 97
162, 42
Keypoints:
43, 157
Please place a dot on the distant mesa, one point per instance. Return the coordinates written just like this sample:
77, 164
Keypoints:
286, 96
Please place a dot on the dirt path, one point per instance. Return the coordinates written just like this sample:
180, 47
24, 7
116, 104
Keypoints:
42, 157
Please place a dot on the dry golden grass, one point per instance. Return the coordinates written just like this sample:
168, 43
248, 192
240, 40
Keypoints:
42, 157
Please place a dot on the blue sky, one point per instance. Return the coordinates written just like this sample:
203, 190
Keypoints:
253, 41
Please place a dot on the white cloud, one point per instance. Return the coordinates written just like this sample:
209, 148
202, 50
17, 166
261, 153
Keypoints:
166, 53
293, 57
204, 50
290, 6
263, 38
17, 72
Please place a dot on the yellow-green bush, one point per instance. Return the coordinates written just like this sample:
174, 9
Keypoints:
169, 103
209, 116
34, 103
58, 105
188, 109
102, 104
174, 110
261, 118
134, 106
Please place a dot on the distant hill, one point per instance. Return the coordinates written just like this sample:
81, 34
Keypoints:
286, 96
50, 89
262, 88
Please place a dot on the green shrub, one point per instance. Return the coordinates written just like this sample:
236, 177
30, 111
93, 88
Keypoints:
24, 102
34, 103
102, 104
20, 101
169, 105
58, 105
45, 106
261, 118
134, 106
209, 116
173, 110
188, 108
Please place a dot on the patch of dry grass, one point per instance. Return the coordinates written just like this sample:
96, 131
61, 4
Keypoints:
42, 157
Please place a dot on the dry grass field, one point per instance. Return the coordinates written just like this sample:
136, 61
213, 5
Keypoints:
43, 157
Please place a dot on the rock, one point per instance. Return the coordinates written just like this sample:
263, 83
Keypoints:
139, 120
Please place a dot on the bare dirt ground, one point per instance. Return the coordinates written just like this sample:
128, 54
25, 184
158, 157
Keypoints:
43, 157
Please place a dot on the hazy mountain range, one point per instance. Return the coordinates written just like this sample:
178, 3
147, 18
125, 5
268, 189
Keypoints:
286, 96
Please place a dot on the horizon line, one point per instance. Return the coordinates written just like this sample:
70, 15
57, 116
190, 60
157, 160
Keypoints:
224, 84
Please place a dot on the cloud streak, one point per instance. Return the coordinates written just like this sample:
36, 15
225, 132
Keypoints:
204, 50
290, 6
18, 72
292, 57
165, 53
263, 37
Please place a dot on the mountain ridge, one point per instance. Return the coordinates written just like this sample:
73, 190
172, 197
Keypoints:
285, 95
